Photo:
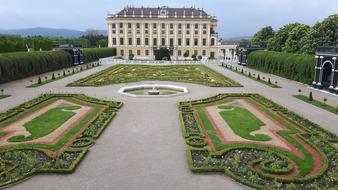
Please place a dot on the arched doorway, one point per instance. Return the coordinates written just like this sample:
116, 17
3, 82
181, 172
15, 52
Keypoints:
327, 74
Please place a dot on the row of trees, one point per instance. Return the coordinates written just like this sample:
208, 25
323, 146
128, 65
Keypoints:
297, 37
12, 43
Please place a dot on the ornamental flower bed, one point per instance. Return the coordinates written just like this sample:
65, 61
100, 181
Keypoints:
19, 161
310, 164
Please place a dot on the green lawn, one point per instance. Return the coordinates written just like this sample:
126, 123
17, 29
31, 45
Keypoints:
4, 96
272, 85
243, 122
46, 123
305, 165
197, 74
317, 104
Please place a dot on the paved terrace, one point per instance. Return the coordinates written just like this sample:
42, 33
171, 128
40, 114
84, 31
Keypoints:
143, 147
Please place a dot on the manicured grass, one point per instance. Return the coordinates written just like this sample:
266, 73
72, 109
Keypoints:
272, 85
4, 96
69, 72
317, 103
197, 74
243, 122
305, 164
46, 123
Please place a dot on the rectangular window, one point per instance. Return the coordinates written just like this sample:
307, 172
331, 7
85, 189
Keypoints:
122, 52
114, 31
113, 25
180, 41
154, 25
188, 26
138, 40
137, 25
188, 32
171, 32
204, 42
163, 41
196, 26
163, 32
163, 26
155, 32
171, 42
204, 53
121, 25
121, 41
147, 52
138, 32
130, 41
180, 32
130, 52
204, 32
129, 32
212, 54
195, 52
146, 41
179, 53
155, 42
180, 26
204, 26
114, 41
121, 31
187, 42
146, 32
196, 32
146, 25
129, 25
171, 26
196, 42
138, 52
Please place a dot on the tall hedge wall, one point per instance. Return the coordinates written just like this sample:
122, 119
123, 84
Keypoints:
292, 66
94, 54
19, 65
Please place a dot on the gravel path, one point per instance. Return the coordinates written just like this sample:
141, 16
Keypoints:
143, 147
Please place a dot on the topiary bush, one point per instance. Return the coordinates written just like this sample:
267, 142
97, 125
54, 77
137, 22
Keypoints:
94, 54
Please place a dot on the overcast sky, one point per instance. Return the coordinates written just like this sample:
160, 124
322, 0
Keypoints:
236, 17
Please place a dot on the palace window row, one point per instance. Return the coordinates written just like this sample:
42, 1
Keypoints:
163, 41
163, 25
179, 53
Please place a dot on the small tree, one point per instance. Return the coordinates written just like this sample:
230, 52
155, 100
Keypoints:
325, 99
200, 57
39, 80
186, 54
269, 81
193, 57
46, 77
310, 97
299, 91
242, 71
2, 91
53, 76
337, 109
64, 73
249, 74
81, 68
131, 57
258, 77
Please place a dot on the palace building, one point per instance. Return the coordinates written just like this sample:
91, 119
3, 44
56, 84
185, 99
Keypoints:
144, 31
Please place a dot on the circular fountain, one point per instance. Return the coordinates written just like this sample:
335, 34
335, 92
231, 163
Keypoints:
153, 90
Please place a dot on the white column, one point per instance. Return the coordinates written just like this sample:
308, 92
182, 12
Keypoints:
321, 71
333, 72
110, 43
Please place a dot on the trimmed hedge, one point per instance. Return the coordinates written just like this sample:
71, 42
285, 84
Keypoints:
94, 54
19, 65
292, 66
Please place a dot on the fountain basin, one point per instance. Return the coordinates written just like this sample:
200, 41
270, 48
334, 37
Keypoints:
153, 90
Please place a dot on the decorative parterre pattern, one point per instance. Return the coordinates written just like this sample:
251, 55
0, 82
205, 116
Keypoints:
50, 134
258, 143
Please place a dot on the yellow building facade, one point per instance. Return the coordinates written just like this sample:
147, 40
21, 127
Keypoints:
143, 31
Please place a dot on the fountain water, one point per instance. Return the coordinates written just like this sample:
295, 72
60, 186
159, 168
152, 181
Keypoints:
151, 90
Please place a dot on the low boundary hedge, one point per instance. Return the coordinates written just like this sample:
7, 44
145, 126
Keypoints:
292, 66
